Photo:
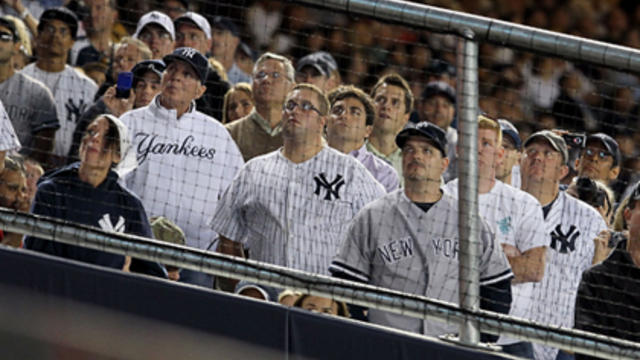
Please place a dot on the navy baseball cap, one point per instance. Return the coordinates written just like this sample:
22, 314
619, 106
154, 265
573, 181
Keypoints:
224, 23
63, 14
245, 49
315, 61
556, 141
439, 67
439, 88
511, 131
155, 66
610, 144
427, 130
192, 57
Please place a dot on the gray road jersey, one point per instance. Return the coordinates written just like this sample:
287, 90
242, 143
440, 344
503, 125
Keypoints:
30, 107
394, 244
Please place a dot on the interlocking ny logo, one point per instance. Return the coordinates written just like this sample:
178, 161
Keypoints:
188, 52
333, 188
105, 224
567, 241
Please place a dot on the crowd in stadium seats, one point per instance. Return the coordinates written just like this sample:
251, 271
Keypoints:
329, 144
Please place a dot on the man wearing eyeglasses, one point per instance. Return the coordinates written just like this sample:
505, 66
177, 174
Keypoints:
28, 102
260, 132
73, 92
600, 159
291, 206
157, 31
571, 227
185, 159
349, 124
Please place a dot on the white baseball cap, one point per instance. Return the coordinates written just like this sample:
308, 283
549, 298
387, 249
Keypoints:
196, 19
128, 161
156, 17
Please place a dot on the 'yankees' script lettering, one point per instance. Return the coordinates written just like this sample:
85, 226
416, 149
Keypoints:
333, 188
567, 240
148, 144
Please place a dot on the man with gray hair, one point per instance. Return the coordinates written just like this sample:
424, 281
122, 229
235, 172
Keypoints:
260, 132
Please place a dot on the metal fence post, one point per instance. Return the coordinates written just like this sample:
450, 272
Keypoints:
469, 291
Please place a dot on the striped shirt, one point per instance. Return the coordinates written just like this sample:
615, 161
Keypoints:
292, 214
8, 138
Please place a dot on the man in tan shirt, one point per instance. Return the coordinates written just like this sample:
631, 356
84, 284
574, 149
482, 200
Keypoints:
260, 132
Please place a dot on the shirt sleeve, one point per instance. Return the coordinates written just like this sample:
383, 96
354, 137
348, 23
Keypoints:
494, 266
46, 116
8, 138
530, 232
355, 254
369, 188
229, 217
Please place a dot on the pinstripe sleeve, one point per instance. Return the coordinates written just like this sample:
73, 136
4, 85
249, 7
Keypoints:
354, 257
229, 219
494, 266
8, 138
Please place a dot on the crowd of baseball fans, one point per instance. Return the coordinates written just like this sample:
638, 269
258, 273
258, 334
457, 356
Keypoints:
329, 144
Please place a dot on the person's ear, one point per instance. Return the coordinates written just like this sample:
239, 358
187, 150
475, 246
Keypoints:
614, 172
200, 91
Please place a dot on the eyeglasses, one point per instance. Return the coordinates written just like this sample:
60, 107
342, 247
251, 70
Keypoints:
339, 110
51, 30
305, 106
148, 35
263, 74
5, 36
601, 153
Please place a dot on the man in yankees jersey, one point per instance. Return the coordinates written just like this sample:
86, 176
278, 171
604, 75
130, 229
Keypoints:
571, 227
408, 240
516, 219
186, 158
291, 206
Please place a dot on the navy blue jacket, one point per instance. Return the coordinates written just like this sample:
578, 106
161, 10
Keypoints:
61, 194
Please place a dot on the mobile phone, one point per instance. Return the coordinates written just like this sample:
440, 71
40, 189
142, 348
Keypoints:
123, 85
575, 140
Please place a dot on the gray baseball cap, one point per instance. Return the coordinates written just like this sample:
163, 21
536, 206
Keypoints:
556, 141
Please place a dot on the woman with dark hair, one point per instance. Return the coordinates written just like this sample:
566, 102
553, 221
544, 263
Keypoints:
322, 305
88, 192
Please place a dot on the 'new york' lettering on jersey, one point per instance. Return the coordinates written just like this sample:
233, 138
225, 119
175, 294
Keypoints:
421, 258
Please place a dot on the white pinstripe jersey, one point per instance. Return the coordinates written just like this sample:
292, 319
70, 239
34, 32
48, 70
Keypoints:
516, 218
8, 138
394, 244
184, 165
294, 214
571, 226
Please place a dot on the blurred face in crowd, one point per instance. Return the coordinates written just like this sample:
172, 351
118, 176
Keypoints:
244, 62
509, 160
312, 76
146, 89
102, 15
13, 190
422, 161
7, 47
189, 35
489, 151
174, 9
438, 110
125, 58
95, 151
223, 43
180, 85
348, 121
596, 163
158, 40
632, 218
319, 304
301, 116
542, 164
54, 39
34, 172
240, 105
392, 113
270, 83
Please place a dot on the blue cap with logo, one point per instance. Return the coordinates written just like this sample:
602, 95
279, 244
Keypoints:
192, 57
425, 129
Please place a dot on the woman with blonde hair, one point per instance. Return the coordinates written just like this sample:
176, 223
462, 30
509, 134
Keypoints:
238, 102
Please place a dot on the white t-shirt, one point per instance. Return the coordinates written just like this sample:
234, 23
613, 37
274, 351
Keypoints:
572, 225
292, 214
184, 165
516, 219
73, 93
8, 138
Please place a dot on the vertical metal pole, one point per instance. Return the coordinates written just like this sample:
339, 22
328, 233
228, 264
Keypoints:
468, 225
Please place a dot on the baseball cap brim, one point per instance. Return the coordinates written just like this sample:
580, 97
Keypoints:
609, 144
405, 134
202, 73
556, 142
